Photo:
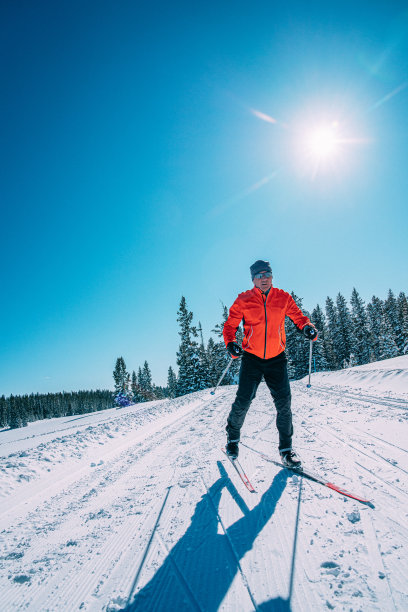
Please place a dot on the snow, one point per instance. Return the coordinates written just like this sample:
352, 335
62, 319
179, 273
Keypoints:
138, 508
390, 375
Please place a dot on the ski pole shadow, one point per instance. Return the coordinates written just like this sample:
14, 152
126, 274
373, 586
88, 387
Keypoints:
199, 570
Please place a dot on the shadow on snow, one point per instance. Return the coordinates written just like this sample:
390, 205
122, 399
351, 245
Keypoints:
199, 570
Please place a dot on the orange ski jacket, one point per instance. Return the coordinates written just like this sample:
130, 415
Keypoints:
264, 321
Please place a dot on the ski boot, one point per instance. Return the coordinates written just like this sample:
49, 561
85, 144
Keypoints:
290, 459
232, 449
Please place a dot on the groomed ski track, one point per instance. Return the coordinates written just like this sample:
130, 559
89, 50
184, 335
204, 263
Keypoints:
138, 509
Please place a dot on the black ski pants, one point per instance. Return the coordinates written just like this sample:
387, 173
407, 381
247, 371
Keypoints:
275, 372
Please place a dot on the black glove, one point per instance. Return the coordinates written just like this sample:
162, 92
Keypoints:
310, 332
234, 349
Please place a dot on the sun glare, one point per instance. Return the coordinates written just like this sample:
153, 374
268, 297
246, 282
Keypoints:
322, 142
321, 148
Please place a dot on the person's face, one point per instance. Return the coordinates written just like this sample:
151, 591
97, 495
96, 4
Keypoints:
263, 283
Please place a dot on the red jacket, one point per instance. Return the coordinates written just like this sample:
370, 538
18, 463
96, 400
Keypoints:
264, 321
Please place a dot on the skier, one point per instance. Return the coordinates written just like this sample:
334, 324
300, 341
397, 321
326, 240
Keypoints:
263, 310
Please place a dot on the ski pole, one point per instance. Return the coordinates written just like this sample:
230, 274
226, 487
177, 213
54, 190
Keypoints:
222, 376
310, 361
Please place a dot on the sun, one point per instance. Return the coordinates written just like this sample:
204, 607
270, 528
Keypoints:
322, 142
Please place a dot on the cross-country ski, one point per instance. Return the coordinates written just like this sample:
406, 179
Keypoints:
241, 473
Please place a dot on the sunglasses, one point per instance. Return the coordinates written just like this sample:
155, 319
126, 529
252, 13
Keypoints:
263, 275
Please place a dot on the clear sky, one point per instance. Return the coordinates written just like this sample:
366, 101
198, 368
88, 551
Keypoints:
154, 150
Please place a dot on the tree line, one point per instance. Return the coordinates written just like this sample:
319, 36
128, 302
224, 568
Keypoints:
19, 410
349, 334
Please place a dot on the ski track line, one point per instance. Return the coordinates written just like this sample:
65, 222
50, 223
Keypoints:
66, 476
340, 456
345, 393
365, 451
384, 402
366, 434
383, 587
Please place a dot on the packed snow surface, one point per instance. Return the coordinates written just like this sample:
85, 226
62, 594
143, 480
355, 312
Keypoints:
138, 508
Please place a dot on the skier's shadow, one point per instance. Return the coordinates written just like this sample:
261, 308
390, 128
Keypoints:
198, 571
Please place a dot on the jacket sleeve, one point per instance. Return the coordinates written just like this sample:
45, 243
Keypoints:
232, 323
293, 311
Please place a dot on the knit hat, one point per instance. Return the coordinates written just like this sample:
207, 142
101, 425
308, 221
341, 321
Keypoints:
260, 266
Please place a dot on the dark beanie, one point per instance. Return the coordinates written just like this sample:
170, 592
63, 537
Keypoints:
260, 266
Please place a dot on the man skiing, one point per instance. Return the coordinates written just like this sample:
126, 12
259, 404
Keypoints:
263, 310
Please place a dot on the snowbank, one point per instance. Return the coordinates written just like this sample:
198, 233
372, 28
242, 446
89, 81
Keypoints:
390, 375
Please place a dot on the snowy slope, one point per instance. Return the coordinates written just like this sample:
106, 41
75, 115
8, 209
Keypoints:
138, 509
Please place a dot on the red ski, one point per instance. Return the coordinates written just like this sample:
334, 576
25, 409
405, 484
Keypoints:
310, 476
240, 471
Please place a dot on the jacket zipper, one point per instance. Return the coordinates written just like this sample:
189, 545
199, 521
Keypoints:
266, 323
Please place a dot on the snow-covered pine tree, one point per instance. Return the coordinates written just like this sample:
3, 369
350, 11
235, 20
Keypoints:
361, 332
345, 330
136, 396
212, 360
4, 413
205, 377
391, 311
15, 419
332, 335
374, 322
146, 379
122, 381
388, 347
171, 383
139, 377
188, 361
120, 375
296, 346
320, 346
402, 303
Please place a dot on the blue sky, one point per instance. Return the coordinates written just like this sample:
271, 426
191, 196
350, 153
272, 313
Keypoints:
150, 152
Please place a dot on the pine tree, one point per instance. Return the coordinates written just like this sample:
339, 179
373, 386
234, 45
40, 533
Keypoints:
345, 330
332, 336
136, 395
388, 347
374, 321
391, 312
120, 376
320, 346
15, 420
204, 371
189, 378
296, 346
361, 332
171, 383
145, 381
122, 383
402, 340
